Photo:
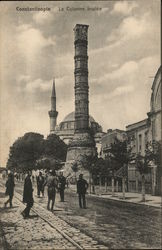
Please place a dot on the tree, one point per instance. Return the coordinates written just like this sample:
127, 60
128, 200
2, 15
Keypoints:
25, 151
153, 152
89, 163
102, 169
33, 151
112, 167
119, 155
48, 163
55, 147
107, 171
142, 163
96, 167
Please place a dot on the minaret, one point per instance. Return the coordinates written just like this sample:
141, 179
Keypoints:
53, 113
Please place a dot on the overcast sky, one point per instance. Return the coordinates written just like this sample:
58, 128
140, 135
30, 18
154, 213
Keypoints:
35, 47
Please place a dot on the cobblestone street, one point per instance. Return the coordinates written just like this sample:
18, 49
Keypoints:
103, 225
42, 231
32, 233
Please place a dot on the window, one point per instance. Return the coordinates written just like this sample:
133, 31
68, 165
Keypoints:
146, 137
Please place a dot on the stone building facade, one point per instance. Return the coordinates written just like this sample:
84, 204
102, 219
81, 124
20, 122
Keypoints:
109, 138
147, 130
138, 134
154, 115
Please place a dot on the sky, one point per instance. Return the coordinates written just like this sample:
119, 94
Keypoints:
38, 46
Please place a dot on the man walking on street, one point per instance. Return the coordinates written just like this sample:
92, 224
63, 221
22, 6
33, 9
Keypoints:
40, 184
82, 187
62, 183
28, 195
52, 186
9, 189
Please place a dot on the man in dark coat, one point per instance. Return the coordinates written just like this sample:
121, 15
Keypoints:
9, 189
28, 195
40, 184
62, 183
82, 187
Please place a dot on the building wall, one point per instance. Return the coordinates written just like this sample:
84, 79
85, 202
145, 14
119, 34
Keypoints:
155, 112
109, 138
155, 128
138, 136
145, 131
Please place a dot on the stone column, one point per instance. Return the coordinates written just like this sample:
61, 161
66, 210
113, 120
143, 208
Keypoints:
83, 143
81, 78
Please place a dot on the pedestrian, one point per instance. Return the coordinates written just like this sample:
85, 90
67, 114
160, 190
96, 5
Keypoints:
28, 195
16, 176
32, 178
52, 184
82, 187
40, 184
67, 183
9, 189
62, 183
3, 175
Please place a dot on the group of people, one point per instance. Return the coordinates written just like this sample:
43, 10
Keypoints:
53, 183
42, 181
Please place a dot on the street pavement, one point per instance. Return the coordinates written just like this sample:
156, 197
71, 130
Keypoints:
31, 233
118, 224
136, 198
108, 221
43, 230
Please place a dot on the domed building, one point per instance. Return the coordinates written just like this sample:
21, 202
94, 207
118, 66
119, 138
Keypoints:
155, 108
65, 130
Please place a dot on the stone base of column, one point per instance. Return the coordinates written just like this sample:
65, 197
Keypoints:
82, 145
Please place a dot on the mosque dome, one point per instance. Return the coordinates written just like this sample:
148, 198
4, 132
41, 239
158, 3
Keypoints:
71, 118
66, 128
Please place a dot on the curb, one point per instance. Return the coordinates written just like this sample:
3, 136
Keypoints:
99, 197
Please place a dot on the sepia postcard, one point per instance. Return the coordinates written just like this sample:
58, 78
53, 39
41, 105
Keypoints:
80, 125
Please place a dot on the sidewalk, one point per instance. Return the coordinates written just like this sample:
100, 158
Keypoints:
154, 201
